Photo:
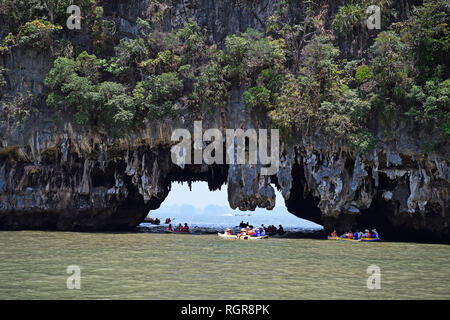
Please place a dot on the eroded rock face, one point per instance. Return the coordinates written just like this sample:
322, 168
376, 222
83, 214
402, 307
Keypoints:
54, 176
253, 189
359, 191
81, 193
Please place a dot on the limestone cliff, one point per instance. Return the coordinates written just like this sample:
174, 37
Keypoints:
55, 175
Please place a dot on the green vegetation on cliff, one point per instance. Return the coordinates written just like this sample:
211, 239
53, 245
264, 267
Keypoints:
297, 74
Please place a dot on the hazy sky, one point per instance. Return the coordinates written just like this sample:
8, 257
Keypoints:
200, 196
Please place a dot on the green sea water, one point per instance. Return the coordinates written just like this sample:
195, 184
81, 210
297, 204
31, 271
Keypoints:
33, 265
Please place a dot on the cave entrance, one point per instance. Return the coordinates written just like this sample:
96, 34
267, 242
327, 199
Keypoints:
196, 205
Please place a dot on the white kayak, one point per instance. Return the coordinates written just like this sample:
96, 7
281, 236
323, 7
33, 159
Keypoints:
235, 237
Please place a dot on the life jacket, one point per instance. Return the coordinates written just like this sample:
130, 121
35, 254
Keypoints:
334, 234
170, 229
350, 235
186, 229
368, 234
251, 233
356, 236
375, 235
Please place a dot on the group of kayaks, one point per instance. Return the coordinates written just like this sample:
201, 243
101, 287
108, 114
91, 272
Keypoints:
354, 240
242, 237
225, 236
247, 237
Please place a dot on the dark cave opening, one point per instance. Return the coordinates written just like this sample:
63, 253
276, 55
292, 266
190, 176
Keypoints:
404, 226
302, 205
104, 177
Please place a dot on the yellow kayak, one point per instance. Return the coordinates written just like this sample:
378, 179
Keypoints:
369, 239
343, 239
235, 237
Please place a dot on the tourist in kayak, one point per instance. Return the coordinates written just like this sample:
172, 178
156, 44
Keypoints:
356, 235
227, 232
185, 228
170, 228
262, 232
179, 228
242, 233
350, 235
334, 234
250, 232
366, 234
374, 234
280, 230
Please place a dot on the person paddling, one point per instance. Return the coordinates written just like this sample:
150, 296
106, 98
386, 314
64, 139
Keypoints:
243, 233
262, 232
170, 228
374, 234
